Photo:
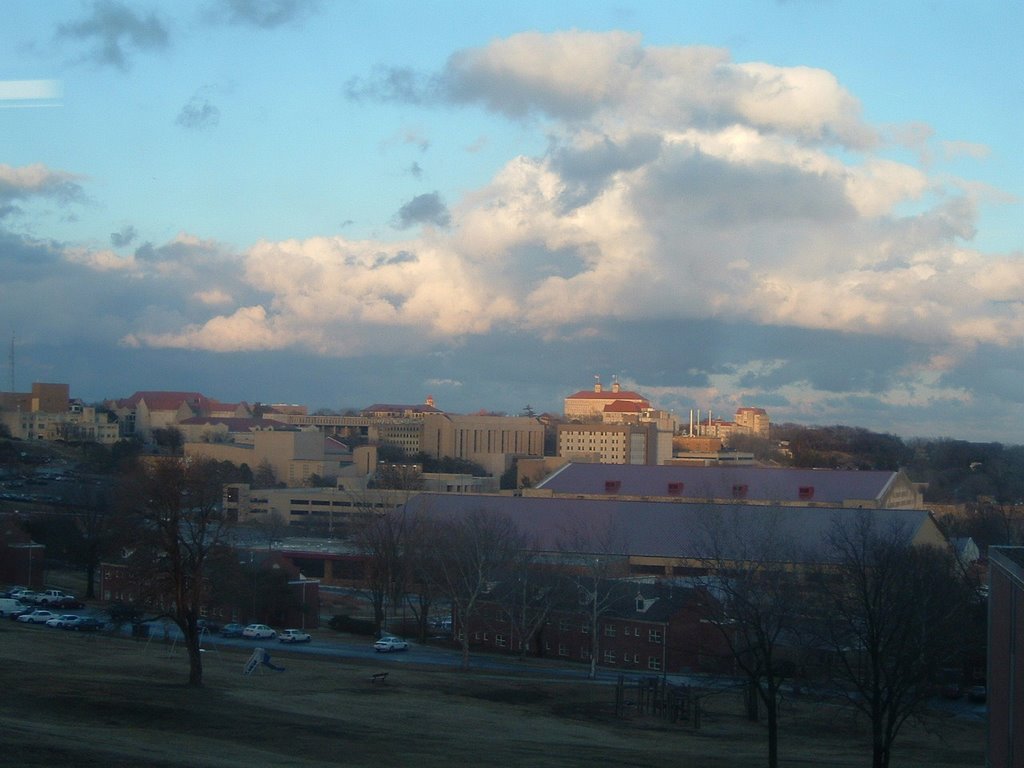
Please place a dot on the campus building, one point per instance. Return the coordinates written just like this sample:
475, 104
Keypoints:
1005, 681
49, 413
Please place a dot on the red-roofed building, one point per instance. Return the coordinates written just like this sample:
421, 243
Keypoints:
143, 412
589, 405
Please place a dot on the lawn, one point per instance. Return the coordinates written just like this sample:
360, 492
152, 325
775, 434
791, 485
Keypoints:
87, 700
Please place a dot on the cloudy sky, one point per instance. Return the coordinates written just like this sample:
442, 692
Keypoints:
814, 207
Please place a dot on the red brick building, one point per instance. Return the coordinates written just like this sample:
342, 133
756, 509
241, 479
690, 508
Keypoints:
656, 628
22, 561
301, 607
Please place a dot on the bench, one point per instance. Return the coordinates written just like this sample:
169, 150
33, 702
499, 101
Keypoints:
379, 677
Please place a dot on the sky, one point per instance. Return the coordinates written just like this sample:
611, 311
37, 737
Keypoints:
807, 206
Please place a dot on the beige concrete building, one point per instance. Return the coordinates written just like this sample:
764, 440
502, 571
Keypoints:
748, 421
614, 443
48, 413
490, 441
294, 455
332, 511
753, 421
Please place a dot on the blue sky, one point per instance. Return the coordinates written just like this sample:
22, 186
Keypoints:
814, 207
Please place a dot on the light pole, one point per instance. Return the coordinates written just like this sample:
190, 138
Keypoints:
252, 567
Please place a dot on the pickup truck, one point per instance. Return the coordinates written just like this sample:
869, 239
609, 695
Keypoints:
53, 597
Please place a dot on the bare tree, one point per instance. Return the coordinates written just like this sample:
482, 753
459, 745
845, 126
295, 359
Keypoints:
531, 591
175, 507
749, 569
264, 476
273, 527
97, 524
423, 581
595, 555
384, 539
476, 550
894, 613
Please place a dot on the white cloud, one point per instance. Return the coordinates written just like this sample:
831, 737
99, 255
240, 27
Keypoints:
677, 183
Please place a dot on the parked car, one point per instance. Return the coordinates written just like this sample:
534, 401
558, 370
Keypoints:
62, 620
231, 630
258, 632
389, 644
84, 624
17, 613
294, 636
36, 616
70, 601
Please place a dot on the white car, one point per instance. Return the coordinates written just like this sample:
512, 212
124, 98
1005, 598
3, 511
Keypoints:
389, 644
37, 616
294, 636
63, 620
258, 632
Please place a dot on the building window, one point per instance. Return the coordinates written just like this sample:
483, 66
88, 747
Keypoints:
585, 629
499, 640
564, 625
563, 649
654, 636
609, 657
653, 662
609, 630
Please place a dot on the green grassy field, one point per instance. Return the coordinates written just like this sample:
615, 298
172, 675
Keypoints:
85, 700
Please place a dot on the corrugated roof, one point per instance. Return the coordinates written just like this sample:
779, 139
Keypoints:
827, 486
662, 529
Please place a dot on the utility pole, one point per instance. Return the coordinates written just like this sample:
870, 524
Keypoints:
10, 362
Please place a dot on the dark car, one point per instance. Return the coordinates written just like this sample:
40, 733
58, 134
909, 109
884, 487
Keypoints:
85, 624
231, 630
207, 626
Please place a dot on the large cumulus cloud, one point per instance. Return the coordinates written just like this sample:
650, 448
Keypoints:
678, 186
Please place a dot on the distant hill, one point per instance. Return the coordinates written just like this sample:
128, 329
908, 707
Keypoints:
955, 470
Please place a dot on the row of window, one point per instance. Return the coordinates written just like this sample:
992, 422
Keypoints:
610, 656
611, 630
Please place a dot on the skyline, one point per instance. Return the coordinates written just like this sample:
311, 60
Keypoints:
810, 207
